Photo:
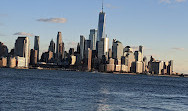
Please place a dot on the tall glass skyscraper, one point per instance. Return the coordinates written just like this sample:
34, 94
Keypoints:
59, 47
101, 25
36, 46
93, 38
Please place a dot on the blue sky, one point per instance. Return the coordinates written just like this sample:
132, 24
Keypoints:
159, 25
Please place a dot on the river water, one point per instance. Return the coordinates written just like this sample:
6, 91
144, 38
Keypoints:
52, 90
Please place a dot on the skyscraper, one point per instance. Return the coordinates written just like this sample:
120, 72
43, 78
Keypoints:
22, 49
138, 56
59, 46
103, 47
33, 57
82, 46
52, 46
117, 49
101, 25
36, 46
93, 38
3, 50
141, 49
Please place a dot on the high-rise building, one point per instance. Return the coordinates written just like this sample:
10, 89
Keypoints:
156, 67
138, 56
22, 49
141, 49
3, 62
71, 51
101, 25
82, 46
59, 47
117, 49
3, 50
87, 44
103, 47
93, 38
88, 59
170, 67
78, 48
33, 57
129, 59
52, 46
109, 53
47, 57
36, 46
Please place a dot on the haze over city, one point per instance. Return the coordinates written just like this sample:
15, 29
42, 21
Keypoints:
159, 25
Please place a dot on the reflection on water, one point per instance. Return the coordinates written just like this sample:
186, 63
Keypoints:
103, 106
42, 90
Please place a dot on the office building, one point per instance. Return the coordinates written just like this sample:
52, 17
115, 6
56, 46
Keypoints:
117, 49
59, 47
127, 49
20, 62
71, 51
88, 59
36, 45
93, 38
138, 56
170, 67
47, 57
139, 67
33, 57
82, 46
87, 44
73, 60
11, 62
103, 47
101, 25
3, 50
52, 46
110, 66
22, 49
109, 53
78, 48
129, 59
141, 49
3, 62
156, 67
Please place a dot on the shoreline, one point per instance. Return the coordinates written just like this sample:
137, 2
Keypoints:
115, 73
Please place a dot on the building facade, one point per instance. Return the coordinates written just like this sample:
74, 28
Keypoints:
93, 38
22, 49
82, 46
36, 45
103, 47
101, 26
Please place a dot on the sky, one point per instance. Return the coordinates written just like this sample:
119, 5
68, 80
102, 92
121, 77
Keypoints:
159, 25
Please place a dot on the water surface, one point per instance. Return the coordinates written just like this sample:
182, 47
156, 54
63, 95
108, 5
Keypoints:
51, 90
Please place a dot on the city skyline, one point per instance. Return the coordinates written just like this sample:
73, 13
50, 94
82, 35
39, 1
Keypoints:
163, 48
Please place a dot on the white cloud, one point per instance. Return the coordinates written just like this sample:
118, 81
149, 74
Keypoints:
177, 48
23, 34
53, 20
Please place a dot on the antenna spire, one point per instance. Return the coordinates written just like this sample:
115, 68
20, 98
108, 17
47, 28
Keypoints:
102, 5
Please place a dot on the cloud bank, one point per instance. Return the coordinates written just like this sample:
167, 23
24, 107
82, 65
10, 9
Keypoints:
177, 48
23, 34
53, 20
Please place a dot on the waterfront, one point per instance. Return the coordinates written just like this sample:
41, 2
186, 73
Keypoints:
49, 90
